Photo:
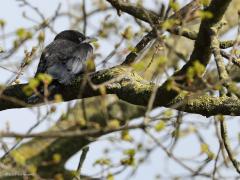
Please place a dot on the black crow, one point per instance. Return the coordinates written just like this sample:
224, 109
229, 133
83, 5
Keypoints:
65, 58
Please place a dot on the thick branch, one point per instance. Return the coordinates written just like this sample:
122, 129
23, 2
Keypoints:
43, 150
153, 19
130, 87
202, 47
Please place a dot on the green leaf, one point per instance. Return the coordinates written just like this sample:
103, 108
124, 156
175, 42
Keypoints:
113, 124
22, 33
33, 83
205, 14
126, 136
205, 2
128, 161
204, 148
41, 37
174, 5
45, 78
130, 152
128, 33
56, 158
168, 24
2, 23
110, 176
160, 126
58, 98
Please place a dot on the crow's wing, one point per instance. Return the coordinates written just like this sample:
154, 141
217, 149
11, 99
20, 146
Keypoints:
77, 64
54, 53
63, 60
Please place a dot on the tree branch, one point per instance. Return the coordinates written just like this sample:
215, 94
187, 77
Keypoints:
138, 12
131, 88
153, 19
43, 149
202, 47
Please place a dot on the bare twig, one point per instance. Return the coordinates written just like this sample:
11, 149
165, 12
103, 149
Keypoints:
68, 134
224, 135
81, 161
84, 17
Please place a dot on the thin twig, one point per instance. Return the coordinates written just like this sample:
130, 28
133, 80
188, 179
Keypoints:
68, 134
84, 17
226, 142
81, 161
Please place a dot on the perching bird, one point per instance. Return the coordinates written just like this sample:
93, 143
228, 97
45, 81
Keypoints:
66, 57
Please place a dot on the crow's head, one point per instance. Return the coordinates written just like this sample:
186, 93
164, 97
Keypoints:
74, 36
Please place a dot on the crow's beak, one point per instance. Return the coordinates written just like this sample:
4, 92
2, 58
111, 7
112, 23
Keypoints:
89, 40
